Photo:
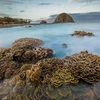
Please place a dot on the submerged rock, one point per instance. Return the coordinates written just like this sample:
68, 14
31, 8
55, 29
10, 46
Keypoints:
63, 18
64, 45
82, 33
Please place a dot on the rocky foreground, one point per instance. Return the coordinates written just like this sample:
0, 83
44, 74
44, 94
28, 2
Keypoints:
31, 74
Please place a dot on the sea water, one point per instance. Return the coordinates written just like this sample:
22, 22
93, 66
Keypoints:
54, 35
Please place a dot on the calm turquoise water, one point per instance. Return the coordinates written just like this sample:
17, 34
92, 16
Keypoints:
54, 35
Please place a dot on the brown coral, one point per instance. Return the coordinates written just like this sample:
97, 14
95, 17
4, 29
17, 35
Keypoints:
82, 33
84, 66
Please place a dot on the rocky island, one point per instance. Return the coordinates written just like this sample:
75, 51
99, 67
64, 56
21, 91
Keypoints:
63, 18
43, 22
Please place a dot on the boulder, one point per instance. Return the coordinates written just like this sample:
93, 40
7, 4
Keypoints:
63, 18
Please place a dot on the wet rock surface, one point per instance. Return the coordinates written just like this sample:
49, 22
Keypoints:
82, 33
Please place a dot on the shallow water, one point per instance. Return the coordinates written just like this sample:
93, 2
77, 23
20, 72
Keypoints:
54, 35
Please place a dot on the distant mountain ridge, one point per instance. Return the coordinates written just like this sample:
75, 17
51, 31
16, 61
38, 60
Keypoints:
78, 17
86, 17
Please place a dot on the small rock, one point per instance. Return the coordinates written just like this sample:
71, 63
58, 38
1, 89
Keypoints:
43, 22
64, 45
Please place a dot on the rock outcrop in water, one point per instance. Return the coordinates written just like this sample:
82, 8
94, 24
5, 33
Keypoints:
71, 78
43, 22
63, 18
82, 33
64, 45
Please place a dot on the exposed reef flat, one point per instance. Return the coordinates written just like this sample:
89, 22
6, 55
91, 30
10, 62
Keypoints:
82, 33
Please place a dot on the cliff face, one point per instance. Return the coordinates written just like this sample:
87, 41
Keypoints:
63, 18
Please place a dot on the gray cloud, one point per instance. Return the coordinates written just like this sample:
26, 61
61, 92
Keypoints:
82, 1
43, 4
22, 11
3, 15
10, 2
7, 15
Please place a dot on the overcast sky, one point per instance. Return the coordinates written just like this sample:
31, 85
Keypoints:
38, 9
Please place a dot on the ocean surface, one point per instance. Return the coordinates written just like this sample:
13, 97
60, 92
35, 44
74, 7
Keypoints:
54, 35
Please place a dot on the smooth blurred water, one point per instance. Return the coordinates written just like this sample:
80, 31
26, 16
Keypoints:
54, 35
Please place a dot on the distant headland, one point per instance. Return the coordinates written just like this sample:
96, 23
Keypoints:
11, 22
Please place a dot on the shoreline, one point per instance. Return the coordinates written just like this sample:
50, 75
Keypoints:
15, 25
29, 24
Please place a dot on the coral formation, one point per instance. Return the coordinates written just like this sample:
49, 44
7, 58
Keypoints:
37, 77
82, 33
84, 66
27, 43
23, 51
62, 76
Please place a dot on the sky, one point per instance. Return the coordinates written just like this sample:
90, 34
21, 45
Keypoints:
42, 9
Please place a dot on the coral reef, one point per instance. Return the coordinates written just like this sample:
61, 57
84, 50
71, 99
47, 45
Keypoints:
84, 66
75, 77
23, 51
82, 33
